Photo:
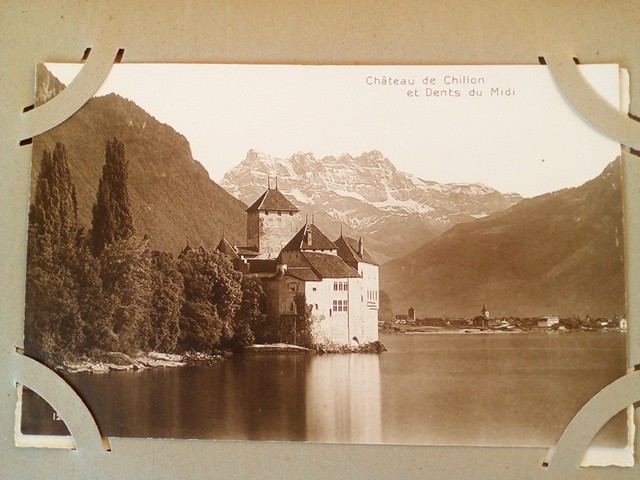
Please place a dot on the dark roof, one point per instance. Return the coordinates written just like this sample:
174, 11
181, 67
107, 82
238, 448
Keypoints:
303, 273
272, 199
348, 250
247, 251
300, 268
314, 266
310, 237
262, 265
225, 247
327, 265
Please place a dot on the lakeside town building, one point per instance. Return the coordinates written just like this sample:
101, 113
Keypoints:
337, 279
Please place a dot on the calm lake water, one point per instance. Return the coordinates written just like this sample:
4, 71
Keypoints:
458, 389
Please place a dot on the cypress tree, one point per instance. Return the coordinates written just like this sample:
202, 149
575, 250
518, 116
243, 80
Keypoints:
54, 212
112, 218
53, 324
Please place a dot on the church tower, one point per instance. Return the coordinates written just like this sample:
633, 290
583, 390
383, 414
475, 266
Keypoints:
271, 222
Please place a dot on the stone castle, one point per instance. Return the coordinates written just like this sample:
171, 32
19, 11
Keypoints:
338, 279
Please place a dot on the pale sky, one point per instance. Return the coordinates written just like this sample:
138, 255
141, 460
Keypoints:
530, 142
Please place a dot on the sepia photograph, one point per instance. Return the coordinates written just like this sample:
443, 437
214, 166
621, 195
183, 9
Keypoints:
421, 255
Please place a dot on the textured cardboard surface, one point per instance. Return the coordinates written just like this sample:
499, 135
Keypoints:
339, 32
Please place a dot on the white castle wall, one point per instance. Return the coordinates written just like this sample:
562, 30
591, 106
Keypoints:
370, 300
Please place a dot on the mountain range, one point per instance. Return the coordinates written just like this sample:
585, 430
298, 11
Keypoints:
367, 196
556, 254
173, 199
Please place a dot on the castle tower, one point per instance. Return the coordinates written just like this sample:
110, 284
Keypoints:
271, 222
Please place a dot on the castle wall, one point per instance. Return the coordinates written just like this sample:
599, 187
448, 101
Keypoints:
331, 326
370, 300
253, 229
281, 292
356, 320
339, 325
339, 306
271, 231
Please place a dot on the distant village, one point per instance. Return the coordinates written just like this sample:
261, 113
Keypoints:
483, 322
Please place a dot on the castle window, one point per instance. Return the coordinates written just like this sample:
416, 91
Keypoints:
340, 286
316, 306
314, 289
292, 307
340, 305
291, 214
279, 213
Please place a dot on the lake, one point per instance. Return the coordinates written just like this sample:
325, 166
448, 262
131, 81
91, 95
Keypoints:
435, 389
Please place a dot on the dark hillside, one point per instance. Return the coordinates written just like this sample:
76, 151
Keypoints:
172, 196
559, 253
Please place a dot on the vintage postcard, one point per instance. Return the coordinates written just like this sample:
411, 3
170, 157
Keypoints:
427, 255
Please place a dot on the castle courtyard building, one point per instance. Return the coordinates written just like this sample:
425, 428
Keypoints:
337, 280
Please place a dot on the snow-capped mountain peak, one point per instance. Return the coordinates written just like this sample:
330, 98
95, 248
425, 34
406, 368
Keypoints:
366, 192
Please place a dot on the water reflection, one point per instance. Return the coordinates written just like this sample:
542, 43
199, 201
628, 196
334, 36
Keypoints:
343, 399
427, 389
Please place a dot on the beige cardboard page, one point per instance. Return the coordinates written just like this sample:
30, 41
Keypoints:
434, 33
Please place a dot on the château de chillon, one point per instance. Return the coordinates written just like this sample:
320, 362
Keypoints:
294, 259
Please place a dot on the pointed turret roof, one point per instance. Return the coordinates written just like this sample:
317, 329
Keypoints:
272, 199
225, 247
349, 251
310, 237
187, 248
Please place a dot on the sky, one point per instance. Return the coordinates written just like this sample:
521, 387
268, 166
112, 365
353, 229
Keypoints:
530, 141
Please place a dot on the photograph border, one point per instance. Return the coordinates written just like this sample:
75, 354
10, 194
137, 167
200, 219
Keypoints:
357, 460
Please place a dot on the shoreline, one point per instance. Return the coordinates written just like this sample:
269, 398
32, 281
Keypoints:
121, 362
106, 362
472, 331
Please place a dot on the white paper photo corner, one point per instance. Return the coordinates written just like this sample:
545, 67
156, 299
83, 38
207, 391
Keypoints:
40, 441
573, 81
55, 111
571, 452
65, 402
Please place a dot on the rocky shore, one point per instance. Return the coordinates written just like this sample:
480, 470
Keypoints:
276, 349
287, 349
116, 361
103, 362
372, 347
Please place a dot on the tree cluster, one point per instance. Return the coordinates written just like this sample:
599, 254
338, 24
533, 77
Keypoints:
107, 290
